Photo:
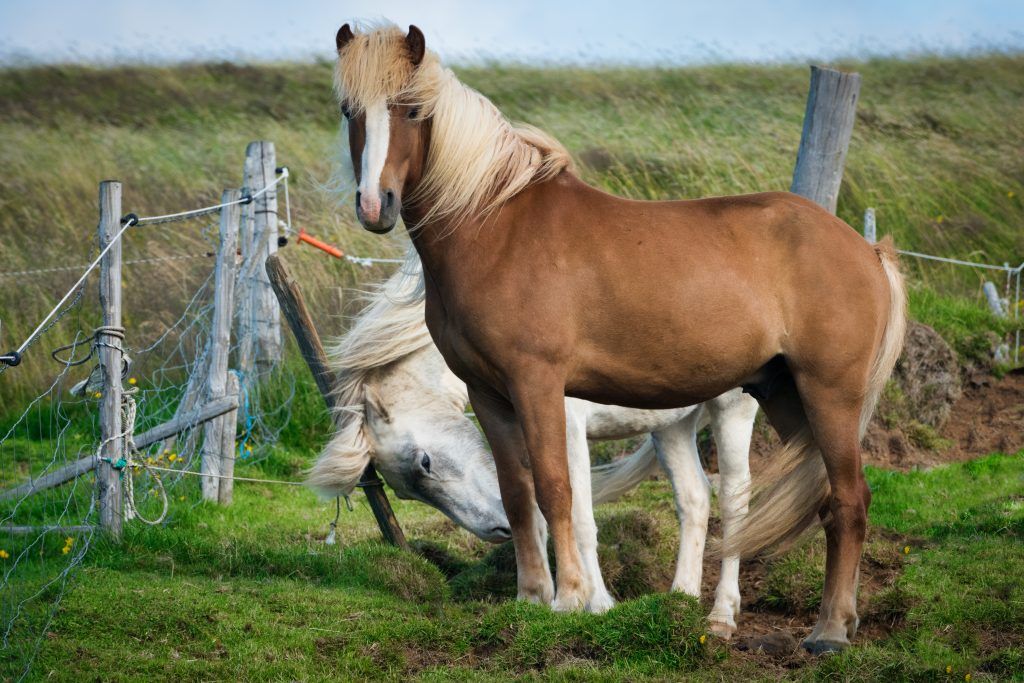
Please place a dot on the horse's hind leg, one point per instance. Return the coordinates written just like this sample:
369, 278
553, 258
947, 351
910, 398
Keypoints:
732, 422
833, 411
676, 447
529, 532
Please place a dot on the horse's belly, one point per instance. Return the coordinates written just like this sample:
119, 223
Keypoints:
606, 422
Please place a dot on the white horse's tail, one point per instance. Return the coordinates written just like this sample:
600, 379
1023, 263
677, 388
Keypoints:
610, 482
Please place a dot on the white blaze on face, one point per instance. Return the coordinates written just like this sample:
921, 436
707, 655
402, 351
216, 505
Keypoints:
375, 153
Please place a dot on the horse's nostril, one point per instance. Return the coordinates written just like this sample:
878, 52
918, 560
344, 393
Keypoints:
389, 199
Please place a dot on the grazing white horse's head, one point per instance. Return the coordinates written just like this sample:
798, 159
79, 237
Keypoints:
402, 409
428, 450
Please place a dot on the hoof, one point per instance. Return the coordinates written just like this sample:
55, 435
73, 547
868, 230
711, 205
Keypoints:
722, 629
537, 596
600, 603
824, 647
572, 602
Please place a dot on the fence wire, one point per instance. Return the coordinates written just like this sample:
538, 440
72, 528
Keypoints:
45, 535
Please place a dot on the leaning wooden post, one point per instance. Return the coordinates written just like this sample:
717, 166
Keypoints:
294, 307
265, 315
108, 474
828, 125
220, 345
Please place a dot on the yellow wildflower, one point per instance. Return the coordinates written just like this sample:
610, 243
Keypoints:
181, 497
949, 668
1011, 194
172, 457
906, 550
939, 219
4, 554
66, 549
69, 541
97, 395
967, 677
132, 381
703, 638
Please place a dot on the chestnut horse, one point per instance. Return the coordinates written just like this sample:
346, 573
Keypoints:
539, 286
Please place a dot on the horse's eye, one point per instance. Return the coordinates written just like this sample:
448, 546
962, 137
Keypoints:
345, 112
414, 112
425, 463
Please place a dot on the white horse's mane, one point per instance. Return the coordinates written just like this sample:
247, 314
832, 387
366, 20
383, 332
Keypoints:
389, 328
477, 159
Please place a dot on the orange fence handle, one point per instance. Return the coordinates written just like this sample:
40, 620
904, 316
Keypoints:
323, 246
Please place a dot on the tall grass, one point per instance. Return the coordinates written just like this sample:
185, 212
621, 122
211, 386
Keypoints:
936, 149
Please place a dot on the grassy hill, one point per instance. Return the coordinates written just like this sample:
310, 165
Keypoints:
936, 149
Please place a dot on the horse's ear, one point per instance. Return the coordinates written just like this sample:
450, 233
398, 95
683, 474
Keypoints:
375, 405
417, 45
344, 35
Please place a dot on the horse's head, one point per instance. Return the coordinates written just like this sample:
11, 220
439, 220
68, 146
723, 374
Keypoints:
388, 129
428, 450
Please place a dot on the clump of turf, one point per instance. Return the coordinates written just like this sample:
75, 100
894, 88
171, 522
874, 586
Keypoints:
654, 631
637, 555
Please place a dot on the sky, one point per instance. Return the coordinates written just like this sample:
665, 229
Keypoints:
636, 31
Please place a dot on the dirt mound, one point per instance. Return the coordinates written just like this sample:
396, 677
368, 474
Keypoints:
987, 418
928, 375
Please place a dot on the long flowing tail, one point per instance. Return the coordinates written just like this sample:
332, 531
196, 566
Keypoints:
789, 493
609, 482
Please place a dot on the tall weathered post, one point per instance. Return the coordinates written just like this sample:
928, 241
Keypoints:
260, 316
108, 339
828, 125
220, 346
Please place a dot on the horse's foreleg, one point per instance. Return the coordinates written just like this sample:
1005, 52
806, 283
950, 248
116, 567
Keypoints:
539, 400
676, 447
599, 600
529, 532
732, 422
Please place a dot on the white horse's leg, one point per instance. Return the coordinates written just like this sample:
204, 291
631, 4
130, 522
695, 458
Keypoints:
732, 422
599, 599
676, 446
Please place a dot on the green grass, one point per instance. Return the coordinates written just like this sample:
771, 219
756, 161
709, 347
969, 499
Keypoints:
251, 592
935, 149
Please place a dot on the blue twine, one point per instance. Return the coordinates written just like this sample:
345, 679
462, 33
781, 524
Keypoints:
248, 417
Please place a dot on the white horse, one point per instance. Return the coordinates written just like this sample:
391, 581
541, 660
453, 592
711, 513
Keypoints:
403, 409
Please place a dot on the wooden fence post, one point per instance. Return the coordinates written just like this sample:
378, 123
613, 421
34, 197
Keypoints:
108, 476
294, 307
870, 229
263, 311
246, 282
220, 345
828, 125
225, 493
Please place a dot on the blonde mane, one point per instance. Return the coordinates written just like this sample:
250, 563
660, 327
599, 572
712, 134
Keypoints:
388, 329
478, 159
